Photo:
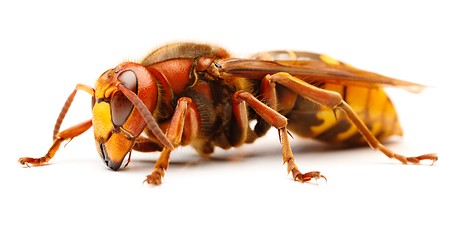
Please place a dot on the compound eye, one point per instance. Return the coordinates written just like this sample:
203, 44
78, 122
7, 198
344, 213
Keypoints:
121, 107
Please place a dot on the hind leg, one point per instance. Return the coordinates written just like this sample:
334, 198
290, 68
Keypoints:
335, 101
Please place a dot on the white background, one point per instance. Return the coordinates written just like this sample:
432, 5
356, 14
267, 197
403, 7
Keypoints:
48, 47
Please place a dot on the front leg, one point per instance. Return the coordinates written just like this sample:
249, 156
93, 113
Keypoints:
60, 137
67, 134
182, 128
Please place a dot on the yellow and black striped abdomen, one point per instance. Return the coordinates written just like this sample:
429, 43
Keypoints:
372, 105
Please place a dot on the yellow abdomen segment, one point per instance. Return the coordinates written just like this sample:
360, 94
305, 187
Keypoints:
372, 105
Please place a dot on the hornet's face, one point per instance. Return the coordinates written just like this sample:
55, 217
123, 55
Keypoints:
116, 121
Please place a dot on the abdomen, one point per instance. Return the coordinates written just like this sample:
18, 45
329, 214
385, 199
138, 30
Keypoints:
372, 105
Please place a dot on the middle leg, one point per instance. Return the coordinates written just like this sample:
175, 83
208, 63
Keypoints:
274, 118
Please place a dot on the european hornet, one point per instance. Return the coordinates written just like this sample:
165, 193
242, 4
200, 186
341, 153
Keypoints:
195, 94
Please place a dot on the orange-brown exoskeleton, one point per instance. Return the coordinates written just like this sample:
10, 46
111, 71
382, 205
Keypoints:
195, 94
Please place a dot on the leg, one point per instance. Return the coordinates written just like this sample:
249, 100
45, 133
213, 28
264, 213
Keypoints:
335, 101
277, 120
67, 134
67, 105
183, 128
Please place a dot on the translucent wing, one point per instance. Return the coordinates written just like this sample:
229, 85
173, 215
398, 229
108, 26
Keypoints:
310, 67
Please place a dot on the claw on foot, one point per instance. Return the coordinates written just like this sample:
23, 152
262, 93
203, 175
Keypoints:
32, 161
416, 160
306, 177
153, 179
431, 156
405, 160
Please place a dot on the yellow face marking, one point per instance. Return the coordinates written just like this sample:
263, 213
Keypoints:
102, 122
329, 60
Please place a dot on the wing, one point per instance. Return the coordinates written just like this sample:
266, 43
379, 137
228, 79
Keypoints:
310, 67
